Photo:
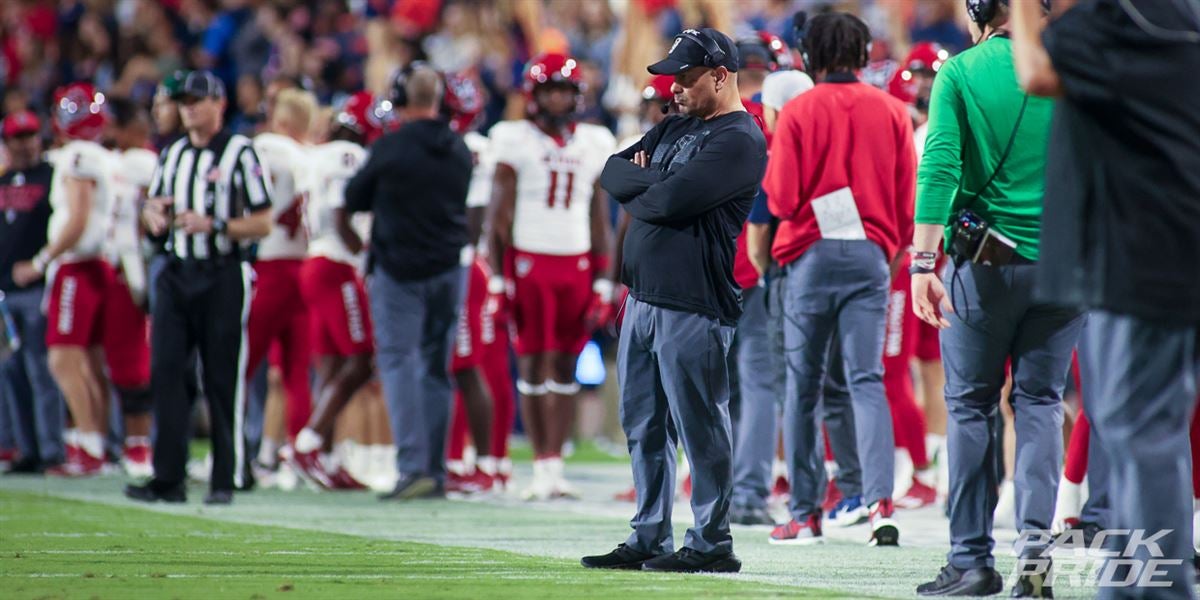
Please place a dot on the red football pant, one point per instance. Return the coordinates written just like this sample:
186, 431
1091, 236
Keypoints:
497, 373
550, 302
899, 347
75, 306
1076, 462
278, 314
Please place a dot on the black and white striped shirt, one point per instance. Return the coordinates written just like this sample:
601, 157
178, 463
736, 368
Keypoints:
223, 180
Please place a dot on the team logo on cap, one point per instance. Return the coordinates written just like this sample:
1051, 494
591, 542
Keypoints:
675, 44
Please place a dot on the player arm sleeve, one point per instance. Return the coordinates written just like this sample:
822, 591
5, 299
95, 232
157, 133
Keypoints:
258, 191
941, 164
759, 213
725, 168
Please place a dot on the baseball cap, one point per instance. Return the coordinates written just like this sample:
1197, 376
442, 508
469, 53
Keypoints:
697, 48
781, 86
20, 123
170, 84
200, 84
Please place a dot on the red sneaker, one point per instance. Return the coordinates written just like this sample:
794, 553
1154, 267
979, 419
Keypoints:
629, 495
85, 465
918, 495
8, 455
885, 531
461, 484
797, 533
483, 481
832, 496
308, 466
343, 480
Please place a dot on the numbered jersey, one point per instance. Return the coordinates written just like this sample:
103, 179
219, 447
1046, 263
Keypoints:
134, 168
331, 165
83, 160
284, 162
554, 184
480, 193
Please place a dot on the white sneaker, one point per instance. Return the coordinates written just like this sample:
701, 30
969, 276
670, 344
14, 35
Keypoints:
542, 486
561, 488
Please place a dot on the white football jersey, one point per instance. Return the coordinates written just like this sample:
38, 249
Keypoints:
331, 165
83, 160
132, 173
554, 184
480, 193
284, 162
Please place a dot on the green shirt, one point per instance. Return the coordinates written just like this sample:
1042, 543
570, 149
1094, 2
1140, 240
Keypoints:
973, 110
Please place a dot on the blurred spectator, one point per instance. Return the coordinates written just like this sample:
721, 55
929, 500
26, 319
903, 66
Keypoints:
251, 106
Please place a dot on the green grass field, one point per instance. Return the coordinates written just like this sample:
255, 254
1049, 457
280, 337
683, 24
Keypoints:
55, 548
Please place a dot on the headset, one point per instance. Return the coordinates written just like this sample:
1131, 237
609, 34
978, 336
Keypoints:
981, 12
713, 54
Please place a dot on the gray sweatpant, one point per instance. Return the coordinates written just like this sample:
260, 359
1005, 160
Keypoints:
671, 367
757, 419
1144, 376
414, 326
995, 317
836, 288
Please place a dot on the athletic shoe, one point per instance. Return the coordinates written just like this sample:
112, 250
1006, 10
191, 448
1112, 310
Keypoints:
849, 512
413, 487
951, 581
623, 557
137, 462
486, 483
1033, 586
1067, 505
629, 495
343, 480
918, 495
833, 496
155, 491
308, 466
686, 560
1196, 530
86, 465
27, 466
219, 498
7, 457
457, 483
750, 515
885, 531
796, 533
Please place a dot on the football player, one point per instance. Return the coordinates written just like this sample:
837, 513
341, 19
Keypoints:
549, 236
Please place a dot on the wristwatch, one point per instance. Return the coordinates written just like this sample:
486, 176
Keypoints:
220, 226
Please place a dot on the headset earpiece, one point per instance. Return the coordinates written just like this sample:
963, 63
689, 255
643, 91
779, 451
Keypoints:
713, 54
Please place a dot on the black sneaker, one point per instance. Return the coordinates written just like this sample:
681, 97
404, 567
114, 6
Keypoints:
623, 557
154, 491
686, 560
412, 487
750, 515
1035, 585
1089, 532
219, 498
951, 581
26, 466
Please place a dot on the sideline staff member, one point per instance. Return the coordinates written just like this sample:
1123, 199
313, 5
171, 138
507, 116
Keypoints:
986, 154
1124, 173
688, 184
209, 197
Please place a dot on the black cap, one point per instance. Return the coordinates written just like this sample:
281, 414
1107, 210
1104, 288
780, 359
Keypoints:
754, 54
200, 84
698, 48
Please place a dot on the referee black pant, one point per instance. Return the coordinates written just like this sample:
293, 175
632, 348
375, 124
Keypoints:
201, 307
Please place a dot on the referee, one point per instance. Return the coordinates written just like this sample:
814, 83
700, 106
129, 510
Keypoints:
208, 198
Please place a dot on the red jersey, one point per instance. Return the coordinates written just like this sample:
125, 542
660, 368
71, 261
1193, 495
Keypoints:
842, 166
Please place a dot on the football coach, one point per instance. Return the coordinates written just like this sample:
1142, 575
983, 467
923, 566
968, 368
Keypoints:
688, 185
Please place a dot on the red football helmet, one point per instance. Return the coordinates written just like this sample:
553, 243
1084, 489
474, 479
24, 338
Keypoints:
462, 103
924, 57
552, 68
659, 89
783, 55
363, 115
79, 112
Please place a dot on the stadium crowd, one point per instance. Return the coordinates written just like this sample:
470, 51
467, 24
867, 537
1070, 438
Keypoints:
408, 309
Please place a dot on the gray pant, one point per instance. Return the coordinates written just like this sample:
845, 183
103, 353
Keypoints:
837, 413
757, 419
995, 317
1098, 506
671, 366
837, 288
1144, 376
414, 326
34, 405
